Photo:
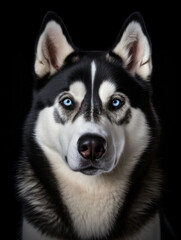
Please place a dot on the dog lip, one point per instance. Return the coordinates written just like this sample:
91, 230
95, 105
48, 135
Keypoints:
82, 168
88, 170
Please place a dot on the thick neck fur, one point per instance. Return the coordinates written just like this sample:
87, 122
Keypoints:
137, 208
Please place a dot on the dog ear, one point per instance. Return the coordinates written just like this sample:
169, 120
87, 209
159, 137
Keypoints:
133, 46
53, 46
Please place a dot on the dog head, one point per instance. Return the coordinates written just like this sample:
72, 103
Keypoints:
92, 108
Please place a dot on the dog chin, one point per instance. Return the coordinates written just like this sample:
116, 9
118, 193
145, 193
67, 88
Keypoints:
92, 171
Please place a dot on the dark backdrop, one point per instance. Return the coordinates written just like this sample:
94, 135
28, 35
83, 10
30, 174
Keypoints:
91, 26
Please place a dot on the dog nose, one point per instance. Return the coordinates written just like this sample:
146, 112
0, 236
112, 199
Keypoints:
91, 146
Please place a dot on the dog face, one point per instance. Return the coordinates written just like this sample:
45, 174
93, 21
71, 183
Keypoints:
92, 106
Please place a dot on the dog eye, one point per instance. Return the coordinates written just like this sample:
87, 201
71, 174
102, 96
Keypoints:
67, 103
117, 103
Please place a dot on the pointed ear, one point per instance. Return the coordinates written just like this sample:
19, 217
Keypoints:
53, 46
134, 48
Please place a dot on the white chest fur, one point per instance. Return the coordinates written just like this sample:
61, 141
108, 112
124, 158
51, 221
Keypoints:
92, 202
98, 209
92, 210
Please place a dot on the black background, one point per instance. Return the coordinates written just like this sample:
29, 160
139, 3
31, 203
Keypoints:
92, 27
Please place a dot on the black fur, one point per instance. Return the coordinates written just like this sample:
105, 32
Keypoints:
35, 167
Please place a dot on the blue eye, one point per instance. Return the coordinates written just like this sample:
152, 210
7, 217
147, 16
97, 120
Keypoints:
116, 102
67, 102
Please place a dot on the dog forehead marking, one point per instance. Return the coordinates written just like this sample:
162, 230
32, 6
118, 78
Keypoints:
93, 72
106, 90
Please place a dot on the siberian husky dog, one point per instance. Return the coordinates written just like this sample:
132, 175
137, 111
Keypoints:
89, 167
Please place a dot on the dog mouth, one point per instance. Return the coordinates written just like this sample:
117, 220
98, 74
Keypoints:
90, 167
89, 170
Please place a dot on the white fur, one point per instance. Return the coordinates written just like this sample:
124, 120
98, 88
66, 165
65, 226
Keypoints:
106, 90
43, 64
78, 90
134, 34
93, 72
93, 201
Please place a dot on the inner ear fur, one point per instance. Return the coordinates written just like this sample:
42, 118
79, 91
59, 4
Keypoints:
53, 46
134, 48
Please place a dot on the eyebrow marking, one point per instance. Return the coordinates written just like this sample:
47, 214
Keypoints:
106, 90
78, 90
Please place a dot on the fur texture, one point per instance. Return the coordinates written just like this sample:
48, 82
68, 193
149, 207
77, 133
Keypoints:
106, 94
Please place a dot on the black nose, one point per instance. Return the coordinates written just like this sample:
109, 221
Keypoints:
91, 146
